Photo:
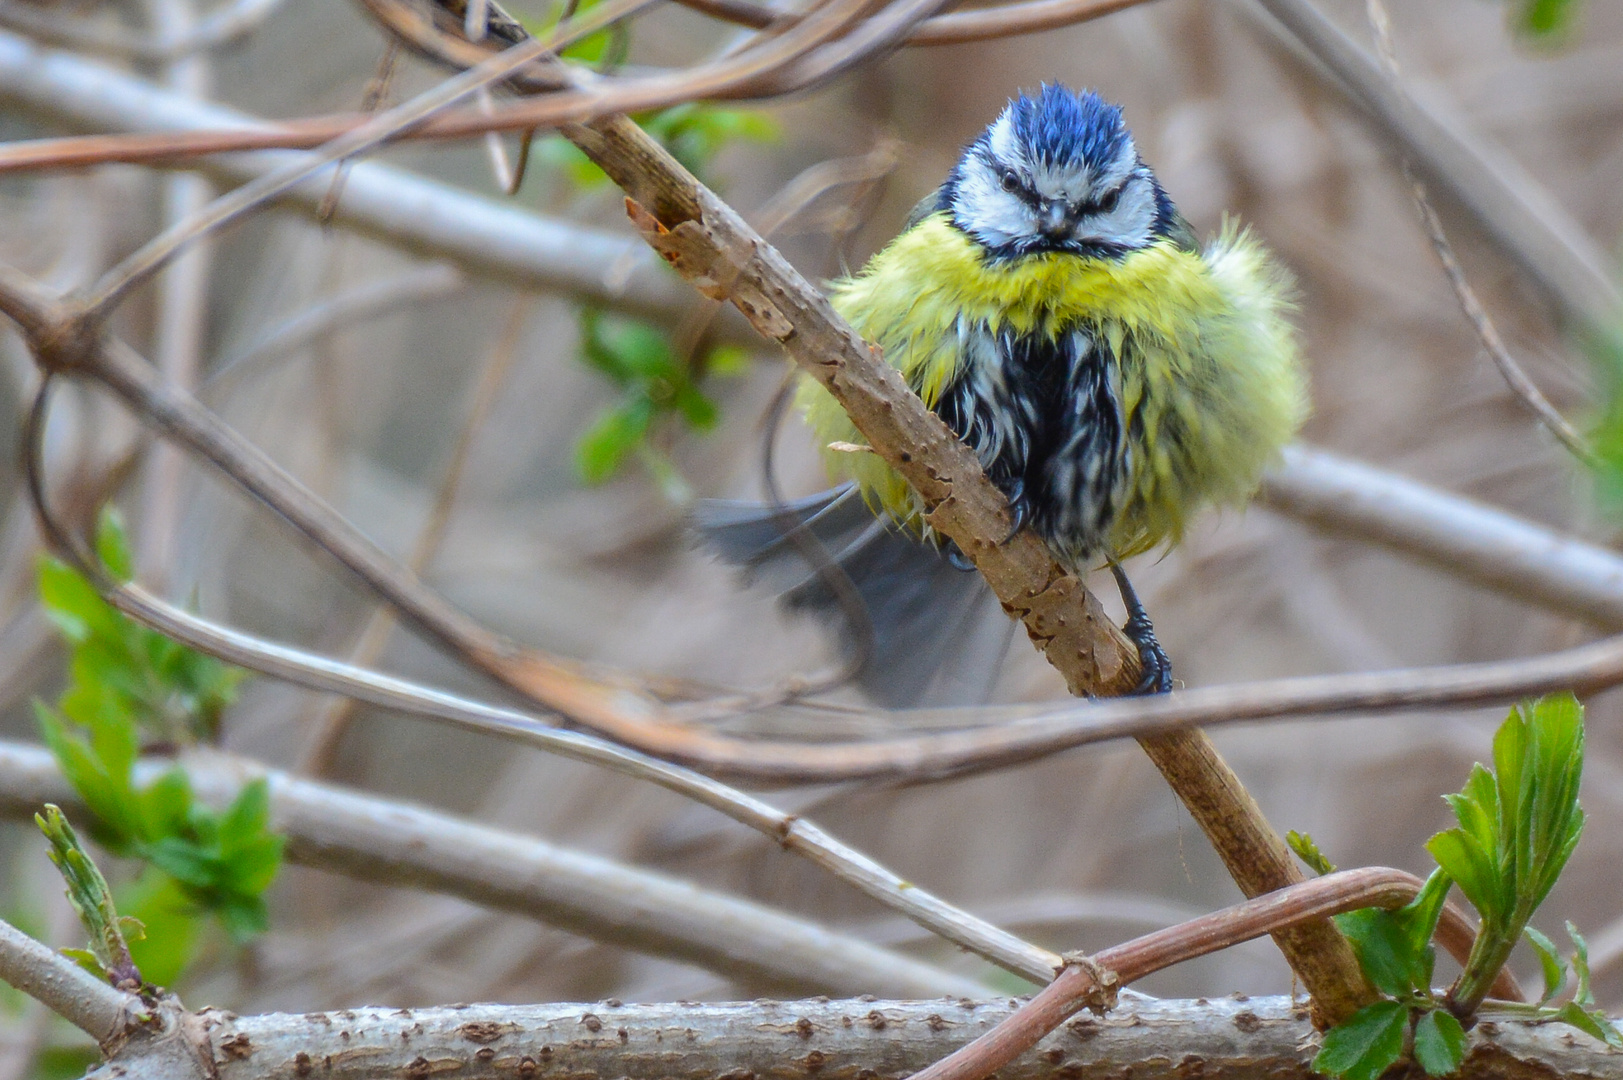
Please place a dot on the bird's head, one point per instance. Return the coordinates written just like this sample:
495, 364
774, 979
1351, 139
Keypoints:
1057, 171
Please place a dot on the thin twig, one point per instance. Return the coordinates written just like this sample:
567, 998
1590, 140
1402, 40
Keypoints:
384, 840
1511, 207
1525, 389
329, 728
1091, 982
793, 833
100, 299
223, 26
182, 295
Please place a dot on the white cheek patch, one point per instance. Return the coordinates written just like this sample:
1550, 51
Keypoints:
1130, 225
994, 216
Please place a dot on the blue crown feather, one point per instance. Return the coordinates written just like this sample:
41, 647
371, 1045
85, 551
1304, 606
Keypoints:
1062, 127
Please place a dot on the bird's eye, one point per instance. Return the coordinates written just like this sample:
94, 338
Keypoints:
1108, 202
1010, 181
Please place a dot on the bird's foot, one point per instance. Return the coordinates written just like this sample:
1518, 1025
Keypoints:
1156, 666
956, 558
1019, 509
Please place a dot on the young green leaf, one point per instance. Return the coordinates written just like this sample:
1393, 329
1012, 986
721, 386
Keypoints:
87, 891
1439, 1043
112, 545
1366, 1044
1384, 951
1518, 827
1591, 1022
1549, 962
611, 439
1308, 851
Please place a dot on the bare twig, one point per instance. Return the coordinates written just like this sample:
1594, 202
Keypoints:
1007, 20
371, 300
330, 727
182, 298
1511, 207
794, 833
1454, 534
1091, 982
384, 840
481, 234
70, 991
1520, 384
114, 285
222, 26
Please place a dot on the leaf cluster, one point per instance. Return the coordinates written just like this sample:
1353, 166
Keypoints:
1394, 949
1518, 826
654, 383
126, 681
118, 668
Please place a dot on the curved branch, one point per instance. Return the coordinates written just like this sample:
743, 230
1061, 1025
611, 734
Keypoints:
1090, 982
70, 991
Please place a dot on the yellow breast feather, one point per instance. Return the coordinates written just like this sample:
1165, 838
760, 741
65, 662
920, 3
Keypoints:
1208, 377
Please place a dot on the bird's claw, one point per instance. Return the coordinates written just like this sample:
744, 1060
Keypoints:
1019, 510
1153, 660
1154, 664
956, 558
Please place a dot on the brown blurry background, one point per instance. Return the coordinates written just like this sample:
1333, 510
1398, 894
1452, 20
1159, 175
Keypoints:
1077, 851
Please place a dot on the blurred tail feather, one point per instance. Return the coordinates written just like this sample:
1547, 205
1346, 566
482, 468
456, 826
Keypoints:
938, 633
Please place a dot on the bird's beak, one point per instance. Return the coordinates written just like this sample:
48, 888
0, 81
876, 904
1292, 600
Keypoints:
1056, 219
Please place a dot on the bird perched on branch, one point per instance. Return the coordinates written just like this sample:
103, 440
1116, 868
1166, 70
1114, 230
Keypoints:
1112, 375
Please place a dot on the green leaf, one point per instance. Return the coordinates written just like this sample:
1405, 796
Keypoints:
167, 804
1383, 950
87, 960
185, 861
71, 602
252, 867
112, 546
727, 360
1545, 19
1439, 1043
1591, 1022
1418, 918
611, 439
699, 411
248, 815
244, 917
1463, 859
1308, 851
1549, 962
173, 926
1582, 994
1366, 1044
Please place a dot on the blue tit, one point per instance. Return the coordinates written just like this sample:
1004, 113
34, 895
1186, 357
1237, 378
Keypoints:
1112, 374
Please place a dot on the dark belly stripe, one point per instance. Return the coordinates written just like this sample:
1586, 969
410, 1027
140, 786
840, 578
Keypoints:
1043, 416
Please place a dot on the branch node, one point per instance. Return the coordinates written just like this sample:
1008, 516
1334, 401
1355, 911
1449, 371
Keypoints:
1100, 997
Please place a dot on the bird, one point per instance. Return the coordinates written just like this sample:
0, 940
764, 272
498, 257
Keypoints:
1112, 373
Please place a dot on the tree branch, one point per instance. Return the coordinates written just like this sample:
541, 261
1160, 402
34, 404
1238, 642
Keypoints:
1451, 533
1220, 1039
1511, 207
90, 1004
391, 842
